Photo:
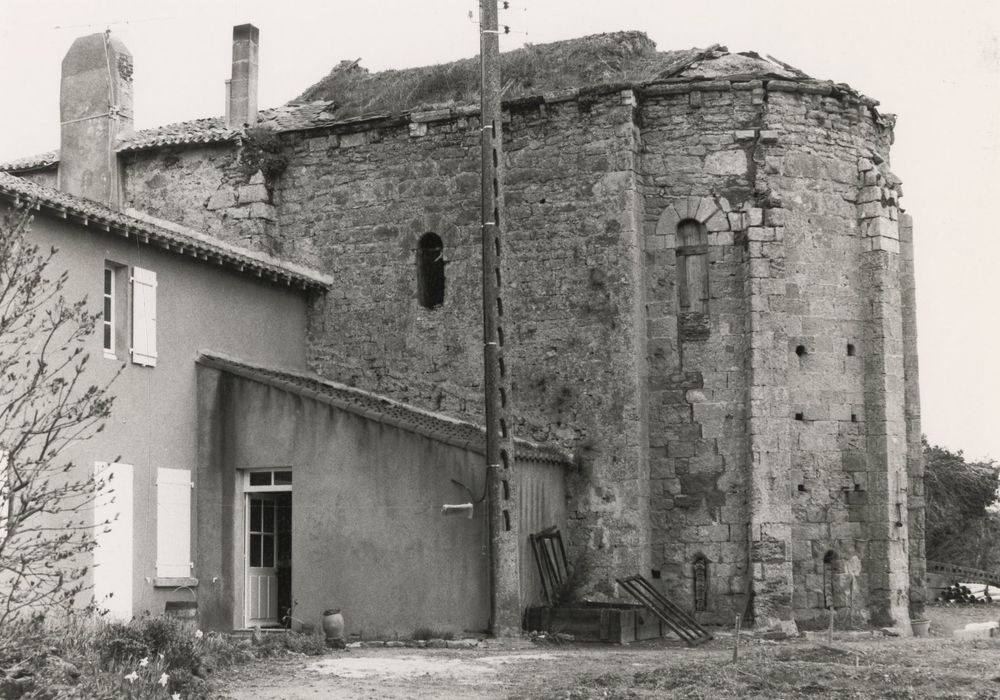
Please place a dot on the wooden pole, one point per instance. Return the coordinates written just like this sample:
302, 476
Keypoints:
736, 639
505, 598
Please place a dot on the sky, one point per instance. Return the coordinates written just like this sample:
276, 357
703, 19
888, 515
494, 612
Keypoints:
936, 65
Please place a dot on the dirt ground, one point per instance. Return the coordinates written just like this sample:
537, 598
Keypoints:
855, 665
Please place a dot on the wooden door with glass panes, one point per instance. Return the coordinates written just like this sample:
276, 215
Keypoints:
268, 546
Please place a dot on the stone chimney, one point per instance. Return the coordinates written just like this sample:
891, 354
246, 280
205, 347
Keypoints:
95, 107
241, 107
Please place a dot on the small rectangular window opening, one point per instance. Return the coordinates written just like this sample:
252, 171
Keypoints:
109, 311
800, 416
260, 478
506, 521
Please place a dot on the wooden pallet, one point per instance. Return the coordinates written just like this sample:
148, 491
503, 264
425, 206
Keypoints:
676, 620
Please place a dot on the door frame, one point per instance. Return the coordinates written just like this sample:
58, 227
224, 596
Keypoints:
247, 490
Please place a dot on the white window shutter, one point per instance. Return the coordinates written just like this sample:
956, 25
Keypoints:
113, 535
143, 317
173, 523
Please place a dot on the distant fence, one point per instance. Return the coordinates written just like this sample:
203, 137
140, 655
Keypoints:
947, 574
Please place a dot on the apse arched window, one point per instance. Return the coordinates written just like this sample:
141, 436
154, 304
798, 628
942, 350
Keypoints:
692, 267
430, 271
699, 570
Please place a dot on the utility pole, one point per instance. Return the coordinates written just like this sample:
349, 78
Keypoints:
501, 488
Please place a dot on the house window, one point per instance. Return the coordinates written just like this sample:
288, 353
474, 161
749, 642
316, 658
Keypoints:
173, 523
109, 311
430, 271
113, 316
143, 317
692, 267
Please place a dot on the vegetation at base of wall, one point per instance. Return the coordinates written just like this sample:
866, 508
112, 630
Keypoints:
149, 657
962, 525
46, 405
427, 633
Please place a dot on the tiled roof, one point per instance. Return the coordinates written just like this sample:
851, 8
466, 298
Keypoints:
378, 408
215, 130
164, 234
211, 130
35, 162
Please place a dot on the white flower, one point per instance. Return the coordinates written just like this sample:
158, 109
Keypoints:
131, 677
198, 634
144, 662
163, 680
161, 656
175, 696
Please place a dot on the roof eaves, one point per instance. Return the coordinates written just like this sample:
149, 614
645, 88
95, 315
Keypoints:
88, 213
289, 380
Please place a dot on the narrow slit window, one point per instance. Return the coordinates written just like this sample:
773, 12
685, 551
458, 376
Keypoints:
831, 564
700, 583
430, 271
692, 267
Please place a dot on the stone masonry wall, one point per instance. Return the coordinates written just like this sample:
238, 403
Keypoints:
204, 188
813, 169
695, 169
800, 463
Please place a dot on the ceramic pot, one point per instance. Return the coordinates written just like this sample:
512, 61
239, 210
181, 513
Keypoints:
333, 624
920, 627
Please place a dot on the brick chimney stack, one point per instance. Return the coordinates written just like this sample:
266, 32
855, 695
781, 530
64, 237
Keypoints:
95, 108
242, 90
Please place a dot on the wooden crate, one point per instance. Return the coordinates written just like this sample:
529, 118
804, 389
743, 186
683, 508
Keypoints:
613, 623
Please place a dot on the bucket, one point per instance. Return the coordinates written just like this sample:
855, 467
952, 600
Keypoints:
920, 627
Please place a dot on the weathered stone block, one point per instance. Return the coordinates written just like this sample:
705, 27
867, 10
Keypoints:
221, 199
358, 138
249, 194
726, 163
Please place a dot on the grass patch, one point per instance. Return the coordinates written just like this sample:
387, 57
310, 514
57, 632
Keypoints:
148, 658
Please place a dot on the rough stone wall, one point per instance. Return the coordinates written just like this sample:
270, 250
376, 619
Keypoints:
695, 169
355, 204
205, 188
776, 425
812, 169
